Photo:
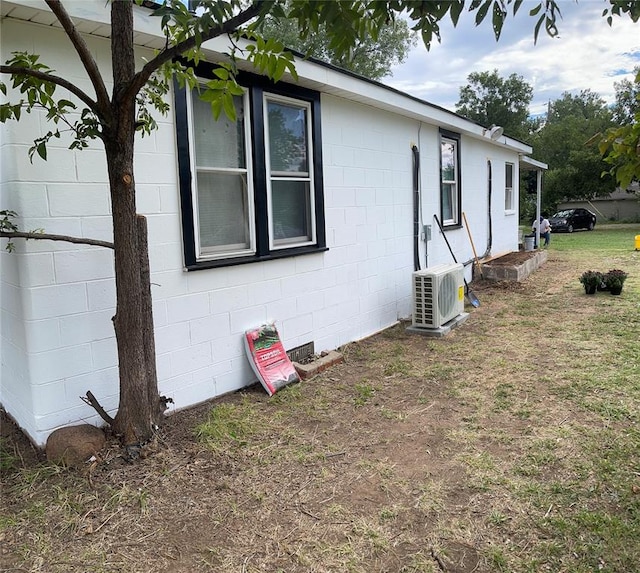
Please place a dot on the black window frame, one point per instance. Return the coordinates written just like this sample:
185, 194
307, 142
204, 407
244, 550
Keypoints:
257, 86
457, 221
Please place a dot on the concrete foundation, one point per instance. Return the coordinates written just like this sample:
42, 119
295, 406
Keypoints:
443, 330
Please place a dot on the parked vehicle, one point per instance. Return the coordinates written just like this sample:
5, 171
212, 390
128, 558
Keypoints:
572, 219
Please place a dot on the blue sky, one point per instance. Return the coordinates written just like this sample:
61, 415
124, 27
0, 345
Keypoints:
587, 54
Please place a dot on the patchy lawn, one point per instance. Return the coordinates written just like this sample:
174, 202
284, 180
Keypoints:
511, 445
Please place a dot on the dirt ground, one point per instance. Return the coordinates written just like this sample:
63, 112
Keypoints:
378, 464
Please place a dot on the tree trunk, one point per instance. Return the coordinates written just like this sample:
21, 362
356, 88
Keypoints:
137, 410
133, 420
158, 404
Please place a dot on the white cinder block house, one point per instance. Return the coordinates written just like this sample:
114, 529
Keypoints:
302, 212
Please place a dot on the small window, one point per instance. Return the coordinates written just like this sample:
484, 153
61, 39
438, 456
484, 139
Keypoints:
290, 180
250, 189
508, 187
450, 179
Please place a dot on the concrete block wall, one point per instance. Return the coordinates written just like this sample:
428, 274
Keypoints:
58, 298
475, 200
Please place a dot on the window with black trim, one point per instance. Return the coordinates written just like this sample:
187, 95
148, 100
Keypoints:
450, 188
508, 187
251, 189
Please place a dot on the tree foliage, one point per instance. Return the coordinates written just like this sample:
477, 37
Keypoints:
492, 100
369, 57
575, 166
627, 104
620, 146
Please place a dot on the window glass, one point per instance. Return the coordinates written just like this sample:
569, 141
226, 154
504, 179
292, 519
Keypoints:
508, 191
218, 143
222, 197
449, 188
287, 138
290, 178
291, 210
223, 212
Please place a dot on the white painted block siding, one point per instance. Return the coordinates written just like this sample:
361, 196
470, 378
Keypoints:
57, 299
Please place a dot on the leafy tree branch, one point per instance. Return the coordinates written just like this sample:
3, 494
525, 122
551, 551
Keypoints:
46, 77
86, 58
202, 31
620, 146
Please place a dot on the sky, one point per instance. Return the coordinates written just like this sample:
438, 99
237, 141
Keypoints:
586, 54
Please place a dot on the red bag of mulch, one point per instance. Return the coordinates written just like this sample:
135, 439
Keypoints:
269, 359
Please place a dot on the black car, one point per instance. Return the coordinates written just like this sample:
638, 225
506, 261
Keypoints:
571, 219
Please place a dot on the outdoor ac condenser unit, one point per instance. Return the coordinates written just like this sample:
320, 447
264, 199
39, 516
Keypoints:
438, 295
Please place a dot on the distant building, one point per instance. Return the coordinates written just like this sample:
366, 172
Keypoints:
623, 206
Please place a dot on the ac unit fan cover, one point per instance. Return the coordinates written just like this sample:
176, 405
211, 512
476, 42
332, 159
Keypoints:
447, 294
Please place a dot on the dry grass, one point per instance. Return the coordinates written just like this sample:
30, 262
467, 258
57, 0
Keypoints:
506, 446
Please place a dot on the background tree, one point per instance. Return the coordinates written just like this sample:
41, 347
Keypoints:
575, 166
114, 117
490, 99
627, 104
370, 57
620, 146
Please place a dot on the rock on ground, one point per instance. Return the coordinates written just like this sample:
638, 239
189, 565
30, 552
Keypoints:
74, 445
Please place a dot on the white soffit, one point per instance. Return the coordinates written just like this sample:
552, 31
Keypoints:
532, 163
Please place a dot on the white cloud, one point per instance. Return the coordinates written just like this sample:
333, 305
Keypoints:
587, 54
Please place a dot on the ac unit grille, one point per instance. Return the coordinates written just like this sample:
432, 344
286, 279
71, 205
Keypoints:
438, 295
423, 308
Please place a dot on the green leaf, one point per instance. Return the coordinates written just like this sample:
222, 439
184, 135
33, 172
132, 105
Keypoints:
221, 73
497, 20
236, 90
42, 150
216, 107
281, 66
229, 107
6, 112
516, 6
456, 10
65, 103
482, 12
536, 30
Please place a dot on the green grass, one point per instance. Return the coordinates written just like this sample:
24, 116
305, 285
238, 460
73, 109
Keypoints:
610, 239
517, 452
227, 424
8, 458
364, 393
